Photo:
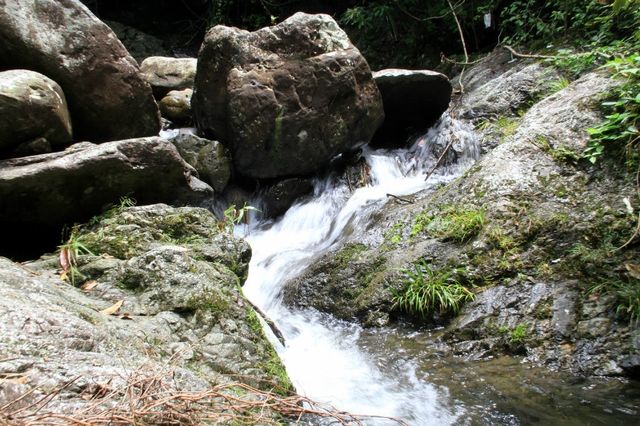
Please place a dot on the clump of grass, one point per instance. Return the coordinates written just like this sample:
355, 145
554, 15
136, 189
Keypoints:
453, 223
626, 294
428, 291
68, 257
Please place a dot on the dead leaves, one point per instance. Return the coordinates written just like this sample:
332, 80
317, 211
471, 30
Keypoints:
113, 308
89, 285
113, 311
634, 270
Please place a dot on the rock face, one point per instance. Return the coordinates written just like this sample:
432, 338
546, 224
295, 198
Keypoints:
107, 96
210, 158
32, 106
183, 314
176, 106
53, 189
542, 260
413, 101
167, 74
285, 99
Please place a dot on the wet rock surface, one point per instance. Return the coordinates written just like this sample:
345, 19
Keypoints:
285, 99
108, 98
547, 223
32, 106
178, 278
413, 100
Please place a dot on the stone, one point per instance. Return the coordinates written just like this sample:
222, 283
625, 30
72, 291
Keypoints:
32, 107
520, 86
176, 106
413, 100
53, 332
210, 158
280, 196
108, 98
285, 99
65, 187
165, 74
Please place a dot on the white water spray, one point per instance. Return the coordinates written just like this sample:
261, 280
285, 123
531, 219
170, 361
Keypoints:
321, 354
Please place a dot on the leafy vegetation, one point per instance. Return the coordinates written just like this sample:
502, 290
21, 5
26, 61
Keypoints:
621, 127
516, 335
427, 291
235, 216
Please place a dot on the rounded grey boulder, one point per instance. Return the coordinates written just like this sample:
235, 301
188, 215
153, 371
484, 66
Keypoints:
167, 74
108, 98
32, 106
285, 99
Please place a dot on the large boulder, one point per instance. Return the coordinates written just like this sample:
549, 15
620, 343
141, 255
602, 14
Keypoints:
285, 99
107, 96
53, 189
413, 101
167, 74
32, 106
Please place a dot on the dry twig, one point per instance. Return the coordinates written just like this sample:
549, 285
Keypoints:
151, 399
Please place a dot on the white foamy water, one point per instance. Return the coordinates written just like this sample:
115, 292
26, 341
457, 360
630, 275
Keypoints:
321, 354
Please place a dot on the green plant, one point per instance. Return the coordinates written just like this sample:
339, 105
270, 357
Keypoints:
626, 293
620, 128
518, 334
515, 335
68, 257
234, 216
114, 209
428, 291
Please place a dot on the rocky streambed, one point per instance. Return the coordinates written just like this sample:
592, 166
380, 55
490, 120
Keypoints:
496, 197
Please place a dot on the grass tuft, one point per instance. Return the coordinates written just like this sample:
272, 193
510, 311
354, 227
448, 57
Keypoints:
428, 291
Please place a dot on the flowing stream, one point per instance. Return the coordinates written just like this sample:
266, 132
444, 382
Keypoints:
373, 372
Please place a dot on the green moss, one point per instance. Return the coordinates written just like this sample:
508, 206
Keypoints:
210, 301
254, 322
348, 253
276, 369
459, 224
560, 153
393, 235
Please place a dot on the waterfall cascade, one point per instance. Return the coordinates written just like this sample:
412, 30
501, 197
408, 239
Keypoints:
322, 355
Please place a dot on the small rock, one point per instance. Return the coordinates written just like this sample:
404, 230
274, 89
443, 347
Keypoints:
176, 106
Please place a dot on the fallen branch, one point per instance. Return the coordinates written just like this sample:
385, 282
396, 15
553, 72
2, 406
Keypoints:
526, 55
441, 158
274, 329
464, 44
403, 200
